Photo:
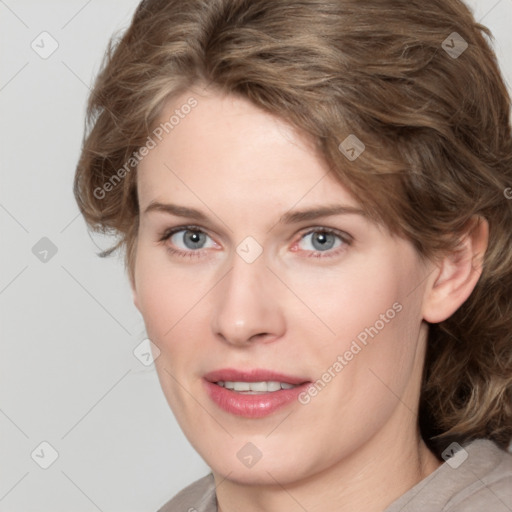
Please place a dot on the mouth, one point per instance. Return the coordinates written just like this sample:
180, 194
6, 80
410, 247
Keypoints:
254, 393
255, 388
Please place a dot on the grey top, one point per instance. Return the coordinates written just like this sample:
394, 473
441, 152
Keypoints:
476, 478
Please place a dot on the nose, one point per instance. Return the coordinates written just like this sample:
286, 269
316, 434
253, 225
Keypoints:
247, 307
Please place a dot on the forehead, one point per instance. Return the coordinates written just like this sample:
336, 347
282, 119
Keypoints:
227, 148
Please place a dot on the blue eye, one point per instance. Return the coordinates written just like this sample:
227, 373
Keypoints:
323, 240
187, 239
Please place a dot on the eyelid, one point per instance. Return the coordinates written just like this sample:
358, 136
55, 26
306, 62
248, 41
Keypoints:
167, 233
345, 237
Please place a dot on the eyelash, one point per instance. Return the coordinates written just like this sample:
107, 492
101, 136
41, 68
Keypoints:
344, 237
186, 254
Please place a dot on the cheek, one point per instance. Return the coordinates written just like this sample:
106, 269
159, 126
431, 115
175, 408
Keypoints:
388, 362
350, 299
161, 289
172, 302
374, 321
160, 296
170, 306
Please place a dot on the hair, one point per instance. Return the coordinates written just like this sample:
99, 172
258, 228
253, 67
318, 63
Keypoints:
435, 128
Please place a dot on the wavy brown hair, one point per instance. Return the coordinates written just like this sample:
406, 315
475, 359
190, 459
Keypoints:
435, 125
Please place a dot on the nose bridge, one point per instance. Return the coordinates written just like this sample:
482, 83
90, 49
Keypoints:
246, 302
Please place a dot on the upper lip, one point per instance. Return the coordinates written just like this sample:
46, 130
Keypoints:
252, 375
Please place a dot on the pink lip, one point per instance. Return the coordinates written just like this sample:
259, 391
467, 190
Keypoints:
252, 405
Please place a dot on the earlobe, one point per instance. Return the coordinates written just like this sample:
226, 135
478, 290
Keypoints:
457, 273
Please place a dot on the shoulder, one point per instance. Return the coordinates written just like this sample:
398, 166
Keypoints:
474, 477
490, 480
197, 497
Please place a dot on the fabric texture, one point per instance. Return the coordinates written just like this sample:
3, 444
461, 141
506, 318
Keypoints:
474, 479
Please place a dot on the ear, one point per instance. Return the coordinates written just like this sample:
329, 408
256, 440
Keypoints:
457, 273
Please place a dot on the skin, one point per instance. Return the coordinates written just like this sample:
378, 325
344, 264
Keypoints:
293, 310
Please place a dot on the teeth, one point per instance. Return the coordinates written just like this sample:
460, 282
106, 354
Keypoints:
255, 387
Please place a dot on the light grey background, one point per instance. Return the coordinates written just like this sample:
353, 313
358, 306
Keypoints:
68, 328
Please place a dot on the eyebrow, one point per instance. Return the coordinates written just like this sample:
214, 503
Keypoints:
317, 212
290, 217
174, 209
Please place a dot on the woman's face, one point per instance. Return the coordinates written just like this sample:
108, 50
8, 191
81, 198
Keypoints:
289, 325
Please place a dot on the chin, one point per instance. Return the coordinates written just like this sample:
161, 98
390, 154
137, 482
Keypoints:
261, 474
276, 461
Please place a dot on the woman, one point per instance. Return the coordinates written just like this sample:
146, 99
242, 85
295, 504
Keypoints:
312, 199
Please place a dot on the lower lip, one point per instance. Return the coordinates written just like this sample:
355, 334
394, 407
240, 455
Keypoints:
252, 405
